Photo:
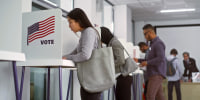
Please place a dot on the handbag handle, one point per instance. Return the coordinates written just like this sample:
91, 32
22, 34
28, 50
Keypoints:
127, 52
100, 44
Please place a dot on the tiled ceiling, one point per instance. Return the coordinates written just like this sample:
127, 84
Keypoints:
147, 10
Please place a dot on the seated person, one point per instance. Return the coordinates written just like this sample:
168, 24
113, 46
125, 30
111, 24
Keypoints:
190, 66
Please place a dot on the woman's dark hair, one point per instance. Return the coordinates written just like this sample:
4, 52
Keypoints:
106, 35
174, 51
79, 16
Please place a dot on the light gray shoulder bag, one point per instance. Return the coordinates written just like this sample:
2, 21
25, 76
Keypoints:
129, 66
98, 73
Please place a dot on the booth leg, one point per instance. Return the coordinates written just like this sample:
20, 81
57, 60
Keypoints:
16, 80
69, 84
48, 84
114, 91
109, 94
60, 82
22, 82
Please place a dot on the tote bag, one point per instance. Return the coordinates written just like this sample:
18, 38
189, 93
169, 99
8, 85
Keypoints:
98, 73
129, 66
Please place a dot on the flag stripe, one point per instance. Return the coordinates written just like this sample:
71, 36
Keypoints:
41, 29
41, 32
47, 19
45, 27
44, 24
41, 36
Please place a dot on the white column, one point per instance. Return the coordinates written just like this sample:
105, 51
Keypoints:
89, 7
123, 22
139, 32
120, 21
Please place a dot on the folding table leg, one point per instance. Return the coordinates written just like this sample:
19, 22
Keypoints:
16, 80
22, 82
48, 84
60, 81
69, 84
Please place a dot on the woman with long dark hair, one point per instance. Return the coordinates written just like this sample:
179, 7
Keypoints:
123, 88
79, 22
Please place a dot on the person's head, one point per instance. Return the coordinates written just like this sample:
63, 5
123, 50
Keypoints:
149, 32
174, 52
143, 47
78, 20
106, 35
186, 55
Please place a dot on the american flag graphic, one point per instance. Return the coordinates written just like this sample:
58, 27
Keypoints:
41, 29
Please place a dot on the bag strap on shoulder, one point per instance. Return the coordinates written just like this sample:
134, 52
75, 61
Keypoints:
99, 43
126, 52
173, 59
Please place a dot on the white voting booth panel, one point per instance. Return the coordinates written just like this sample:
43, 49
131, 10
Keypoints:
12, 56
42, 39
10, 35
133, 51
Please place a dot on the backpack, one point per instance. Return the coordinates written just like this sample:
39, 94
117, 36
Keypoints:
171, 71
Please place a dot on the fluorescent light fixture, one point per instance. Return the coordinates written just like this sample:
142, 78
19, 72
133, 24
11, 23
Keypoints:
177, 10
51, 3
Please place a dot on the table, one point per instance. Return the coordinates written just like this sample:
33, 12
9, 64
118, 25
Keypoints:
13, 57
50, 63
189, 91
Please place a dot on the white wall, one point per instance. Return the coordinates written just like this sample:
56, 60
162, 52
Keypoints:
108, 16
139, 25
89, 6
129, 25
139, 32
120, 21
11, 23
123, 22
182, 39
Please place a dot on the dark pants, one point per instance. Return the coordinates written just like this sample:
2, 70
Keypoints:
89, 96
170, 89
145, 89
123, 88
154, 88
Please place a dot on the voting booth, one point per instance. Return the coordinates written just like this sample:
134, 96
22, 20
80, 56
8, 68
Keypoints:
42, 39
42, 42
